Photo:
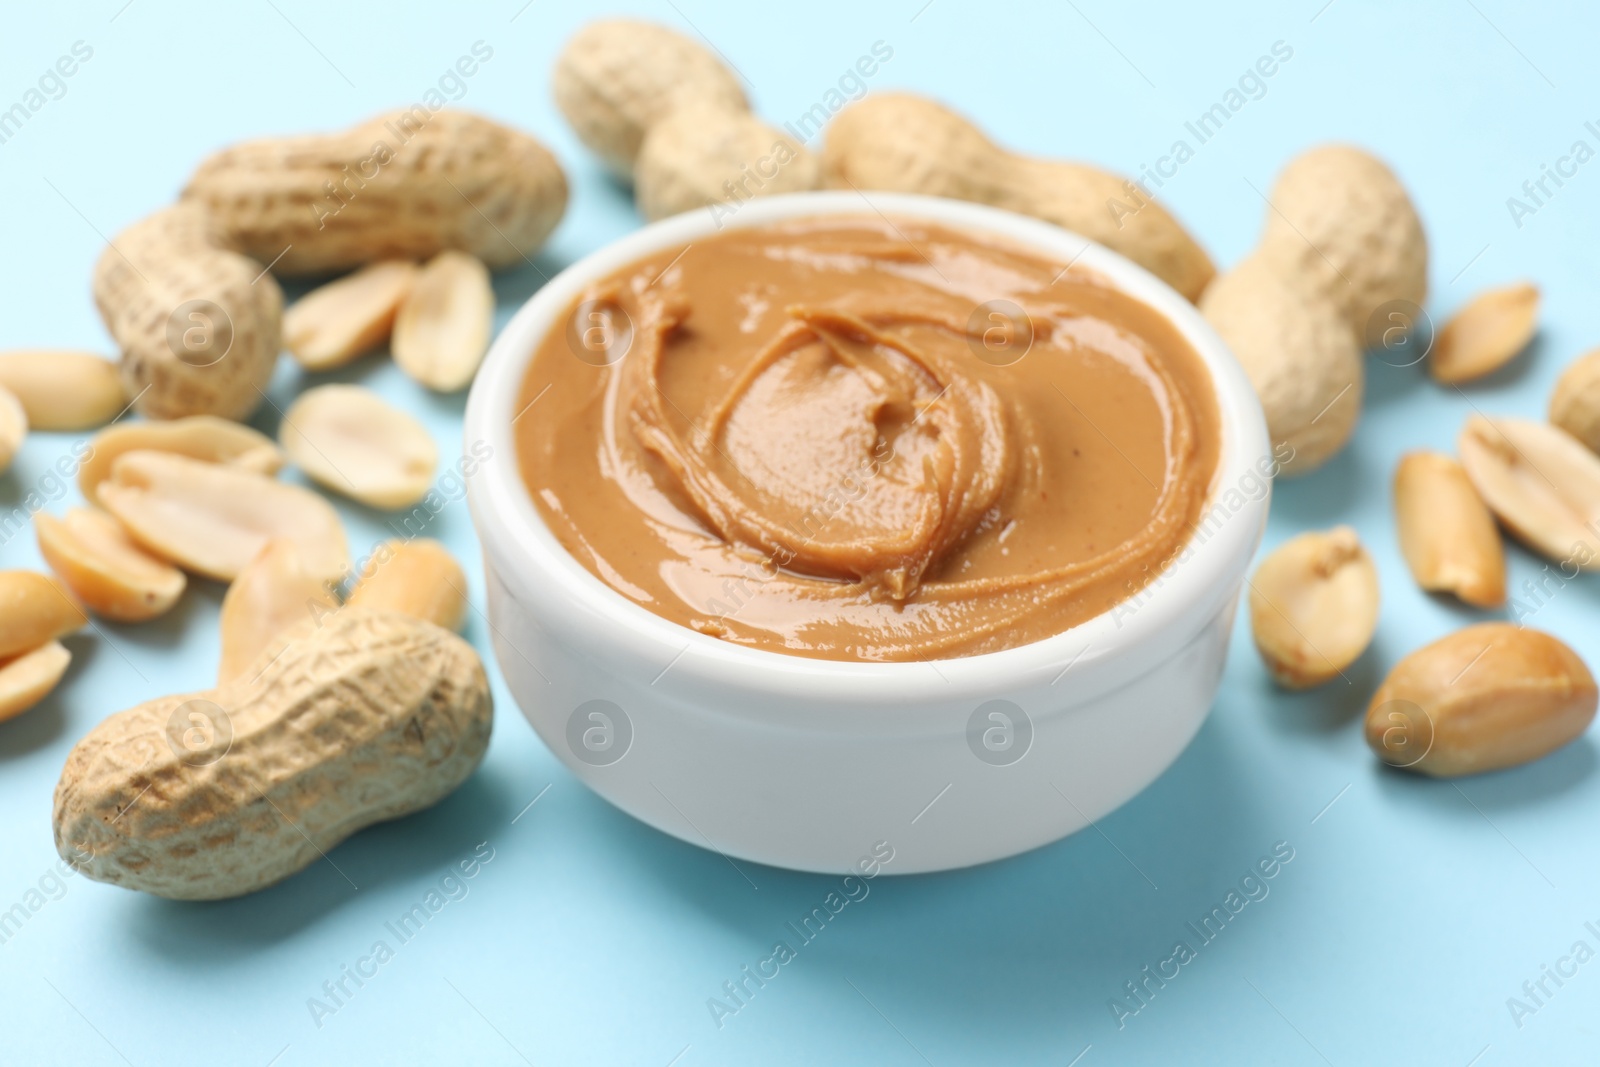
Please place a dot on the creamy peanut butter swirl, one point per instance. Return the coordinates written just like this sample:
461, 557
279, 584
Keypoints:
862, 441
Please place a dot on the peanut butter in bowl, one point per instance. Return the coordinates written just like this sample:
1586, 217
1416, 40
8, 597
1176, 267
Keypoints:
868, 439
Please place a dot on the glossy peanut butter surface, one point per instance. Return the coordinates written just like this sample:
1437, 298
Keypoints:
867, 439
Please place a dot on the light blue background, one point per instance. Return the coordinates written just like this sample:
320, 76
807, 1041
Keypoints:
1412, 909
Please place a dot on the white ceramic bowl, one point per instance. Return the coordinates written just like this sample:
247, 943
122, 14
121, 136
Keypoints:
809, 763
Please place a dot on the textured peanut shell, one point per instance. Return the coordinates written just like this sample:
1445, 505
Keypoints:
1489, 696
369, 717
1341, 224
904, 143
1299, 354
451, 180
144, 285
707, 153
616, 78
1575, 402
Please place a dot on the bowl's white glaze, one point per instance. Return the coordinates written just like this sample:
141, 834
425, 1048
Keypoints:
809, 763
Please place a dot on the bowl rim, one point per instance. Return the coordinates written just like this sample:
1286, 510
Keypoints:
580, 606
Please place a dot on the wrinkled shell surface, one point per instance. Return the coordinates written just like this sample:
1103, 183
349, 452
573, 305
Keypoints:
616, 78
1446, 533
197, 322
904, 143
63, 390
406, 185
706, 153
213, 520
209, 795
1342, 224
1540, 483
345, 437
202, 437
334, 324
1303, 360
1575, 402
1489, 696
102, 566
1314, 606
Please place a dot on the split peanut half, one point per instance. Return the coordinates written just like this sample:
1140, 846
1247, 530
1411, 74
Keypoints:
63, 390
1575, 401
442, 329
1314, 606
28, 678
35, 609
1486, 334
1489, 696
13, 427
213, 519
103, 567
1446, 533
419, 578
273, 593
345, 437
331, 326
1541, 484
202, 437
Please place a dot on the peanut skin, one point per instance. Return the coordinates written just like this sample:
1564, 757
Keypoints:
1446, 532
35, 609
1490, 696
